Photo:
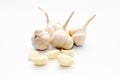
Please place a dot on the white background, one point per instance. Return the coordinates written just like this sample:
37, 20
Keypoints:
98, 59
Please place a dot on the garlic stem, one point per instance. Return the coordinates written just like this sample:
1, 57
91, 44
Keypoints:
46, 14
88, 21
67, 21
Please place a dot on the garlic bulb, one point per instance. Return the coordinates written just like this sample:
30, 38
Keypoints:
41, 40
60, 38
79, 34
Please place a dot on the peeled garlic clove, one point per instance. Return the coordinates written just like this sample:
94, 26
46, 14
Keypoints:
79, 39
40, 60
33, 54
69, 43
65, 60
67, 52
52, 54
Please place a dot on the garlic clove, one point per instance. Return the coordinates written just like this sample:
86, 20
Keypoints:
33, 54
52, 54
67, 52
64, 60
40, 60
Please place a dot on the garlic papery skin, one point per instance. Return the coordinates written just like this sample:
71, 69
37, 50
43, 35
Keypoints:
41, 40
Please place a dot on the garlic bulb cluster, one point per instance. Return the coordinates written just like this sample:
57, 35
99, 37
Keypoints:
56, 34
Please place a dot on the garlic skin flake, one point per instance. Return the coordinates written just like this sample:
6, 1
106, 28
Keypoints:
52, 54
65, 60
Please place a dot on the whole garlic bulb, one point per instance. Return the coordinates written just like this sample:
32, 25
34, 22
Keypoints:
60, 38
41, 40
79, 34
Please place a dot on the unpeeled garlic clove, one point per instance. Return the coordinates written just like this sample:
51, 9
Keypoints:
40, 60
52, 54
65, 60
